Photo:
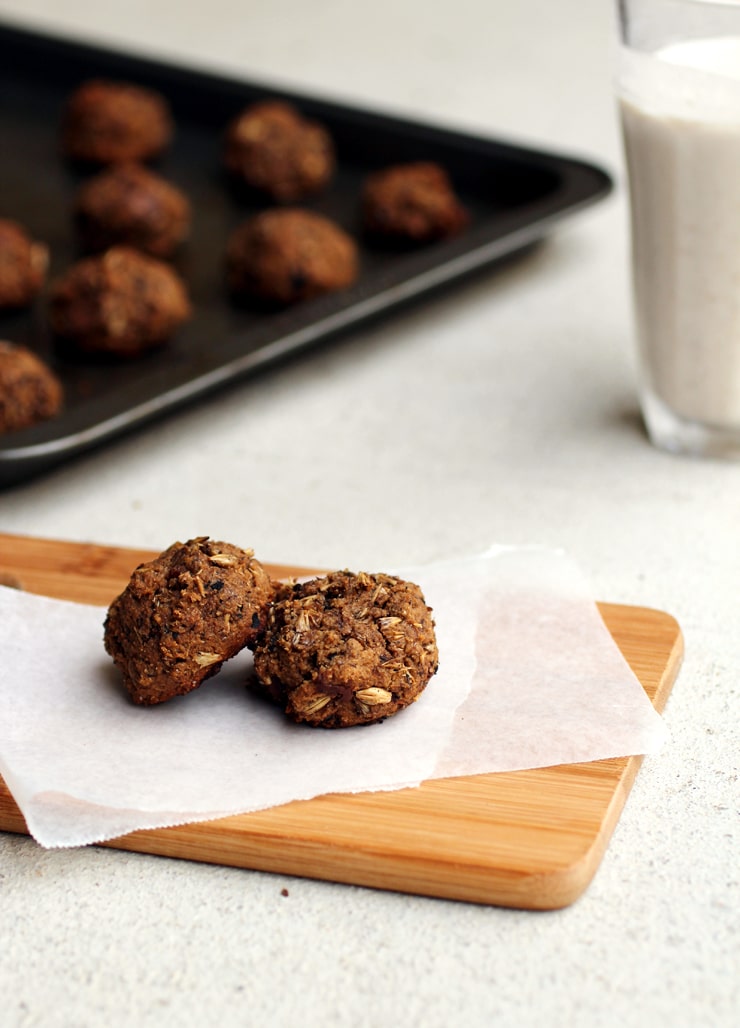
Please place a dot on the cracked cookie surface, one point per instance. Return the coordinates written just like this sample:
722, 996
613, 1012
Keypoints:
183, 614
346, 649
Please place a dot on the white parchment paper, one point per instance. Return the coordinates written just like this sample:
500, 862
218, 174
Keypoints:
529, 677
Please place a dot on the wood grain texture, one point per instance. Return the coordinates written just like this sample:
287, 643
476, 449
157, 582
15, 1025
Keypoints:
528, 839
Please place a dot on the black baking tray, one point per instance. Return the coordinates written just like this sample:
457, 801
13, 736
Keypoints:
514, 195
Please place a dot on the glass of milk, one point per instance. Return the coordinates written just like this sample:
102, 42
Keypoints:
679, 95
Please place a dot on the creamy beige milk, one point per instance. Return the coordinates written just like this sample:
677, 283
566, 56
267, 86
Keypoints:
680, 112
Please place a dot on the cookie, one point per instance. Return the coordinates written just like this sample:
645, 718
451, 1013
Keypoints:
30, 392
121, 303
131, 206
346, 649
183, 614
272, 148
108, 122
287, 255
23, 265
412, 202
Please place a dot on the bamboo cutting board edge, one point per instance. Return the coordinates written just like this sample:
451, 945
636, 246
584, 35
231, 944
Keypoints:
527, 839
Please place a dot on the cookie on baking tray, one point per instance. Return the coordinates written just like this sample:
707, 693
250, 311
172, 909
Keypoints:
109, 122
120, 303
272, 148
415, 202
30, 392
286, 255
346, 649
131, 206
23, 265
183, 614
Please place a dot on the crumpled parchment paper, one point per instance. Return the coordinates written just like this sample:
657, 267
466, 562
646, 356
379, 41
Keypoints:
529, 677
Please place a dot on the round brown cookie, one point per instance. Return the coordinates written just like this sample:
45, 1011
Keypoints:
183, 614
415, 202
122, 303
23, 265
347, 649
289, 255
29, 390
107, 122
129, 205
271, 147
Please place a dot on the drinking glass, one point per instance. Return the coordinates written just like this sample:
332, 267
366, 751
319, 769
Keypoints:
678, 85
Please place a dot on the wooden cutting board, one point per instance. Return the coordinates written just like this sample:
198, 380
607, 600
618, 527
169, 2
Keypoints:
528, 839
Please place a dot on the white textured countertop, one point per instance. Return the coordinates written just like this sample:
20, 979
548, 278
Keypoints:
503, 411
